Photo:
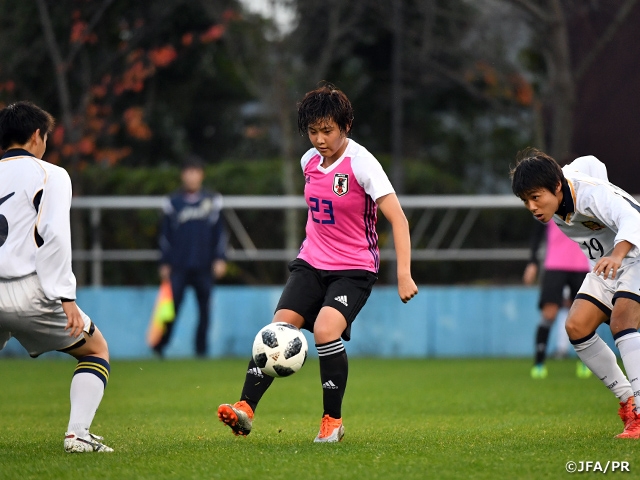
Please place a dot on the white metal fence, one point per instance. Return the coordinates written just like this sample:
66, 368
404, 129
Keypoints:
422, 207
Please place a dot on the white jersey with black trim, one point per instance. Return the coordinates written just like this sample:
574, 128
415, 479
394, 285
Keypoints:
35, 233
595, 213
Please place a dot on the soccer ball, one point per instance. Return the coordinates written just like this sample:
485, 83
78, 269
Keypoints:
280, 349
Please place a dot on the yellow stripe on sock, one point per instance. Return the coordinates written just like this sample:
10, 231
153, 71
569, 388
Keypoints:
94, 366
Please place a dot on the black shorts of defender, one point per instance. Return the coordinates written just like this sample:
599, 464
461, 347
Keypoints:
309, 289
553, 283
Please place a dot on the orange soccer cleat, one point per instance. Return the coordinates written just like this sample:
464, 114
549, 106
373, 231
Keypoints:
631, 420
331, 430
627, 411
239, 417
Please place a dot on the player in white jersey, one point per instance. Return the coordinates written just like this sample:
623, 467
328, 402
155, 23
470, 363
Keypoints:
338, 262
37, 286
605, 221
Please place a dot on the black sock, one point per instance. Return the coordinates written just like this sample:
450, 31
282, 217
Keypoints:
541, 342
255, 384
334, 369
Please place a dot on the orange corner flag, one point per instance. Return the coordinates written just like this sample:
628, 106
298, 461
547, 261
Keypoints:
163, 312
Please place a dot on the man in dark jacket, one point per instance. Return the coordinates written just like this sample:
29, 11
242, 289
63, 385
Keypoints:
192, 242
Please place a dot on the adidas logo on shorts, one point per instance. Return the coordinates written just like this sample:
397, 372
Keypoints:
342, 299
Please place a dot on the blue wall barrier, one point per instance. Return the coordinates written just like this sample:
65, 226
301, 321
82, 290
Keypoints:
438, 322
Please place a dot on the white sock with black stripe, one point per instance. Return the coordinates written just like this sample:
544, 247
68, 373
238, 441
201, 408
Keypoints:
601, 360
628, 342
87, 388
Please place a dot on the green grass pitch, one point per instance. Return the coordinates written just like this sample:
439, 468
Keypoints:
404, 419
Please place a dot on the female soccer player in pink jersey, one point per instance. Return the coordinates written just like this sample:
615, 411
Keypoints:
339, 259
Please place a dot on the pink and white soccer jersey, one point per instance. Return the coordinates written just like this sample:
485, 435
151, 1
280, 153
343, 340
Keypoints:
341, 223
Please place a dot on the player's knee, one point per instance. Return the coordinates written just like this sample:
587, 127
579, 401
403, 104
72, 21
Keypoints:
575, 329
289, 316
618, 323
624, 316
324, 332
550, 312
99, 344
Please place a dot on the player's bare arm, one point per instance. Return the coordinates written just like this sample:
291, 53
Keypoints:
75, 323
391, 209
608, 266
530, 274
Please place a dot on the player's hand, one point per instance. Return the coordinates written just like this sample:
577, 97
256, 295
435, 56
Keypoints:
608, 267
75, 322
407, 288
219, 269
165, 272
530, 274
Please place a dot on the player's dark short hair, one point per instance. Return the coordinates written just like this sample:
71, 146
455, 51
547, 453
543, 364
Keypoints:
19, 120
535, 170
192, 161
325, 102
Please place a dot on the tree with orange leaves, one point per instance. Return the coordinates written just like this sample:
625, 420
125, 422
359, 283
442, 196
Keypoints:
101, 67
94, 64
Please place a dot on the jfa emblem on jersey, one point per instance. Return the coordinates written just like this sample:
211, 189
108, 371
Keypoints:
593, 225
340, 184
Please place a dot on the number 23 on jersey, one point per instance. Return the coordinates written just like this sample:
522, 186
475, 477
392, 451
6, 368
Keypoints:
321, 211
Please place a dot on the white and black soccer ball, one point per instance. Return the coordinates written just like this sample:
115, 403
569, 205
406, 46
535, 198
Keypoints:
280, 349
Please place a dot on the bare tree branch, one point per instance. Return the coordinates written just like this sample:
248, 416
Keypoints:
533, 9
429, 13
341, 27
606, 37
62, 84
75, 48
459, 80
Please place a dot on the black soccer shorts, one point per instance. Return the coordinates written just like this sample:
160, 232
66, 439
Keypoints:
308, 290
553, 283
